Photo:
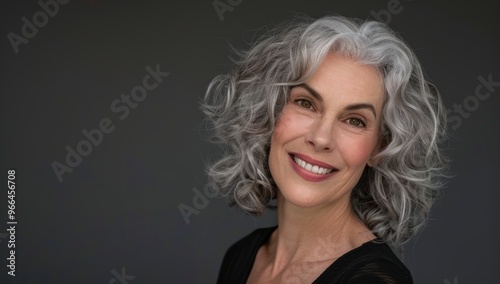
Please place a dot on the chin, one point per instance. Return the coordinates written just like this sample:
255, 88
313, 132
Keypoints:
304, 198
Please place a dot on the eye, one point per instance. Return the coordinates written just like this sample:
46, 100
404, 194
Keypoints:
304, 103
356, 122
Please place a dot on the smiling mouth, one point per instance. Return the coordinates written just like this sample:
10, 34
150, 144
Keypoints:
312, 168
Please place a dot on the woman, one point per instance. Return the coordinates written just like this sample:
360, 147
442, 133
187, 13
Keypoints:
334, 120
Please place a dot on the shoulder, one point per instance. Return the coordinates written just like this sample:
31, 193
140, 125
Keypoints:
239, 258
248, 244
373, 263
255, 238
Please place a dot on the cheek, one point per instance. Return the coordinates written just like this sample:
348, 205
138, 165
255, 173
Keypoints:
289, 126
357, 150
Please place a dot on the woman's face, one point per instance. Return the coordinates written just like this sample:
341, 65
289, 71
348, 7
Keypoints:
327, 133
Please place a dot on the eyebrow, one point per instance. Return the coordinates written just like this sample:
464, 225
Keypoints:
317, 96
312, 91
362, 106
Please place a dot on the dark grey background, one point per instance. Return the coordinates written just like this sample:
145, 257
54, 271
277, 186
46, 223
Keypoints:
119, 207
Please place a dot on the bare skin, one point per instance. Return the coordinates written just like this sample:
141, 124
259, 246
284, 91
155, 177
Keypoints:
332, 122
301, 251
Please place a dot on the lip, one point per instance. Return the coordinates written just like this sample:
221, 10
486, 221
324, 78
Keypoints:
307, 175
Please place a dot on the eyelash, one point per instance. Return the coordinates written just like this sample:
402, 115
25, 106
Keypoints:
300, 101
361, 123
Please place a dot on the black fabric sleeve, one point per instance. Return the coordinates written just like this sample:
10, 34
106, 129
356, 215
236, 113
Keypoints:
239, 258
379, 272
372, 263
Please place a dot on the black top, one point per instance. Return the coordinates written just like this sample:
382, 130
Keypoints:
373, 263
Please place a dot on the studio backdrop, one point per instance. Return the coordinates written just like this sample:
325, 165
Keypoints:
104, 147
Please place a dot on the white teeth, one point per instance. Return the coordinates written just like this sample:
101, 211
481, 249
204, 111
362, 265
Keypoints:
302, 163
314, 169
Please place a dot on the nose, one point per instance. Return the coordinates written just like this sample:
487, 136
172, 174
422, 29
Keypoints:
321, 135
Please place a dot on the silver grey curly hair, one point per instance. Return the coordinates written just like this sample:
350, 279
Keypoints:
394, 197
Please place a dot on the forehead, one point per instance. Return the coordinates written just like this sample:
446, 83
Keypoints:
346, 79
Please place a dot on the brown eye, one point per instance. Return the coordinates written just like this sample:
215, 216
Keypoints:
304, 103
356, 122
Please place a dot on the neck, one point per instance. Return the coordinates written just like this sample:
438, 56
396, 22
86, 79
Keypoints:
315, 234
